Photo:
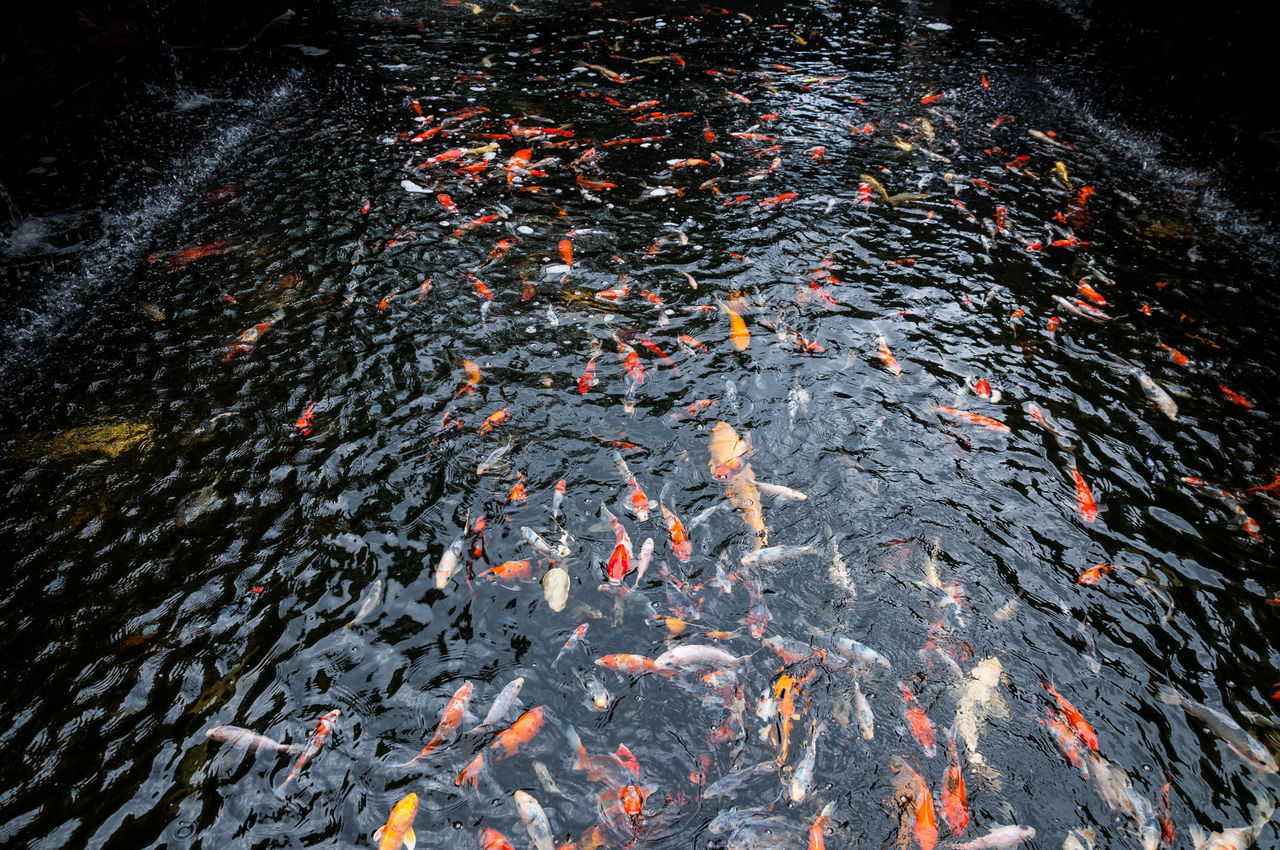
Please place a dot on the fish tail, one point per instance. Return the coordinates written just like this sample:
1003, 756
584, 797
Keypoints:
1168, 695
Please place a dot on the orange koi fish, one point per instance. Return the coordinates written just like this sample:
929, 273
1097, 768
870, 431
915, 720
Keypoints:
886, 356
613, 295
595, 185
323, 731
681, 546
738, 333
631, 363
708, 134
508, 571
932, 98
494, 419
1093, 575
784, 691
482, 220
447, 202
386, 300
1178, 357
180, 258
1234, 396
399, 827
779, 199
973, 418
518, 161
1067, 742
302, 428
480, 287
955, 800
506, 744
926, 824
447, 156
620, 560
817, 832
1084, 499
450, 720
1075, 719
639, 503
491, 839
519, 494
921, 727
566, 251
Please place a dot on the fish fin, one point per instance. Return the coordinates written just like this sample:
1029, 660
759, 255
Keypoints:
1168, 695
377, 833
1198, 837
410, 840
580, 760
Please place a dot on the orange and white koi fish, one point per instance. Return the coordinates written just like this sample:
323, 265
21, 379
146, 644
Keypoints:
1094, 574
519, 492
1084, 498
639, 504
886, 356
1092, 294
323, 731
817, 832
955, 800
1067, 741
518, 163
398, 830
471, 225
450, 720
681, 545
921, 727
557, 498
1247, 523
574, 639
973, 418
1234, 396
588, 379
242, 346
626, 663
481, 288
447, 156
447, 202
506, 744
728, 463
613, 295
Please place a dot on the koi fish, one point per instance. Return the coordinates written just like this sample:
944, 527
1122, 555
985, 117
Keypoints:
588, 379
493, 420
508, 571
1092, 294
1079, 726
639, 504
471, 225
1067, 741
681, 545
447, 202
1084, 498
955, 800
398, 830
999, 838
1094, 574
247, 739
817, 832
974, 419
506, 744
911, 784
1076, 307
625, 663
557, 498
785, 197
921, 727
535, 820
1247, 523
323, 731
566, 251
738, 333
613, 295
1229, 731
447, 156
450, 561
1234, 396
574, 639
620, 560
480, 287
519, 493
491, 839
886, 356
242, 346
302, 428
802, 775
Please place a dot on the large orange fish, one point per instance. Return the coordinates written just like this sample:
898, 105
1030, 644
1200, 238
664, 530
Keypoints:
886, 356
624, 663
506, 744
738, 333
491, 839
566, 251
728, 462
399, 827
493, 420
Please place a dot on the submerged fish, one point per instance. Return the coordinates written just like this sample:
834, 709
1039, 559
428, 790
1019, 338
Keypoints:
1232, 734
247, 739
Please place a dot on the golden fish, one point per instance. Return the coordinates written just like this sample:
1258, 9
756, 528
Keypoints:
727, 452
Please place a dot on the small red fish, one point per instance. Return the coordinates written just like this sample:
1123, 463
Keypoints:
566, 251
323, 731
1074, 718
588, 379
974, 418
921, 727
785, 197
1234, 396
494, 419
447, 202
1093, 575
481, 289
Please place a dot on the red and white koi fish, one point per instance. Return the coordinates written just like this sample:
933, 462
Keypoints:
681, 546
574, 639
1084, 497
973, 419
620, 560
450, 721
323, 731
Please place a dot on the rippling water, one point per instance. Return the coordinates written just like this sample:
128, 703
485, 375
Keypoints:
184, 556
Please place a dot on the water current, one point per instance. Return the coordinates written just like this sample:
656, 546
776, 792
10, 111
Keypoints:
1006, 340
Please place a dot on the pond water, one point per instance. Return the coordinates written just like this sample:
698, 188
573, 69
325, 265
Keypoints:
271, 315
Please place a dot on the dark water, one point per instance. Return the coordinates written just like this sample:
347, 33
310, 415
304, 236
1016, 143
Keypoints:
183, 558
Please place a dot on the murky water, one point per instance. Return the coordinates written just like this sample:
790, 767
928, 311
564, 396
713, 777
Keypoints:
896, 242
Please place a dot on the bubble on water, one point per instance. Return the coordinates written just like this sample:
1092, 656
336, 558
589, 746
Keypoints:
525, 229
